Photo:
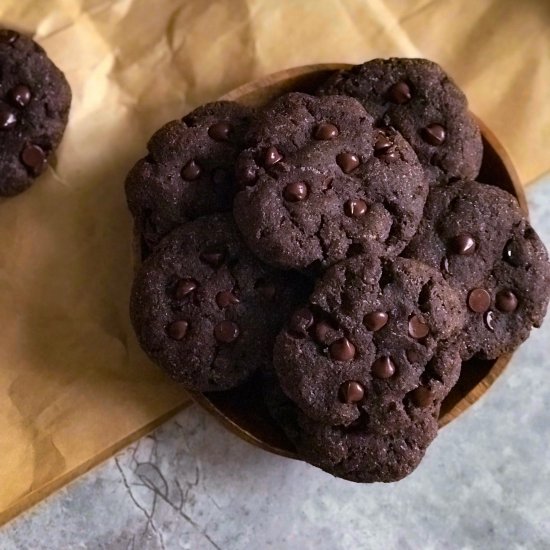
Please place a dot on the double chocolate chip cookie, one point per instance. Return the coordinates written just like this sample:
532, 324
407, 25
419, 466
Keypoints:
205, 309
421, 101
486, 249
189, 171
34, 108
319, 182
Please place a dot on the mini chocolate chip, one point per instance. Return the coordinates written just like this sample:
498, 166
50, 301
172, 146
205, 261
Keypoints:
463, 244
325, 131
434, 134
226, 332
272, 156
382, 144
322, 331
506, 301
418, 328
347, 162
219, 131
220, 176
351, 392
300, 322
8, 36
34, 158
185, 287
421, 397
265, 288
355, 208
413, 356
389, 155
177, 330
191, 171
8, 118
295, 192
510, 254
489, 319
399, 93
226, 298
479, 300
375, 320
342, 350
383, 367
213, 256
20, 95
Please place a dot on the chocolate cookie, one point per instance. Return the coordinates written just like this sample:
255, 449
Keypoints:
35, 99
421, 101
319, 182
365, 341
188, 172
477, 235
205, 309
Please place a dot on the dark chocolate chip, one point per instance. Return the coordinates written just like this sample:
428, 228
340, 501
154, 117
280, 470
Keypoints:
434, 134
413, 356
421, 397
34, 158
382, 144
355, 208
489, 320
191, 171
351, 392
226, 332
177, 330
20, 95
479, 300
213, 256
375, 320
8, 36
219, 131
399, 93
506, 301
295, 192
383, 367
342, 350
463, 244
347, 162
8, 118
185, 287
418, 328
389, 155
300, 322
510, 254
325, 131
272, 156
226, 298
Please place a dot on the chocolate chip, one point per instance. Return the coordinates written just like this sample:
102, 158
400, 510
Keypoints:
213, 256
295, 192
506, 301
355, 208
226, 298
375, 320
434, 134
8, 36
418, 328
325, 131
382, 144
20, 95
351, 392
219, 131
191, 171
272, 156
383, 367
347, 162
185, 287
413, 356
421, 397
479, 300
265, 288
389, 155
7, 118
300, 322
342, 350
34, 158
463, 244
226, 332
489, 320
177, 330
510, 254
322, 332
399, 93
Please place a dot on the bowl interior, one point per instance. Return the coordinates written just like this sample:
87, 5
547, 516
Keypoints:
242, 409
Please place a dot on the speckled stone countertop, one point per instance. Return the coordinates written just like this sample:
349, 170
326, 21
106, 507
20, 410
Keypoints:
485, 482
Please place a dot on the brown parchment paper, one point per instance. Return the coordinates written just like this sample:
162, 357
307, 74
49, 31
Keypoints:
74, 386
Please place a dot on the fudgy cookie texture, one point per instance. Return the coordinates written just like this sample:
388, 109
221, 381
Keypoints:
422, 102
35, 99
319, 182
189, 171
205, 309
366, 339
485, 247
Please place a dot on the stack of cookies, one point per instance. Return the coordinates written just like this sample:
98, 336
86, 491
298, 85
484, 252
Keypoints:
337, 249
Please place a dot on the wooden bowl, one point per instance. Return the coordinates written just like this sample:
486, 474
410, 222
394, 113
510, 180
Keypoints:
242, 410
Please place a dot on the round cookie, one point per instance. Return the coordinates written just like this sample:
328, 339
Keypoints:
366, 339
188, 172
422, 102
319, 182
35, 99
205, 309
477, 235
